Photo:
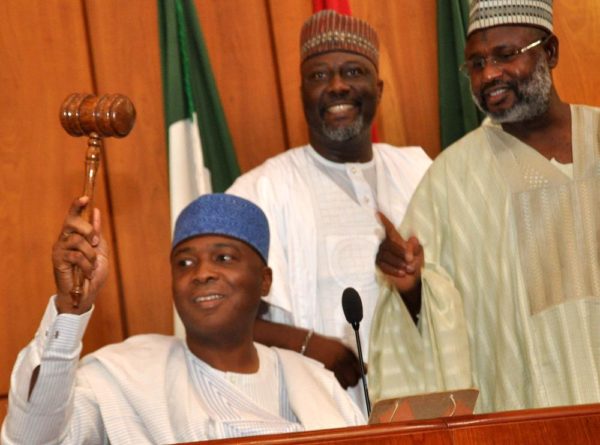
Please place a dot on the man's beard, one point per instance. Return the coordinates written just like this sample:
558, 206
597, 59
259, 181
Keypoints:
341, 134
533, 97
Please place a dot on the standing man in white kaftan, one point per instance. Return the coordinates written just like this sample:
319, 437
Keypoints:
155, 389
321, 199
509, 222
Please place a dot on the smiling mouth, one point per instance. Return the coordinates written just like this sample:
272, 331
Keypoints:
207, 298
496, 94
339, 108
340, 113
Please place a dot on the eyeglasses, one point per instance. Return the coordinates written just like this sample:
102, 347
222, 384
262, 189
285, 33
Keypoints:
477, 64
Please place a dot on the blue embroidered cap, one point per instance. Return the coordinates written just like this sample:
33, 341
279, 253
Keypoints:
227, 215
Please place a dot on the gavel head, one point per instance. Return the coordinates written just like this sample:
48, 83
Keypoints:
107, 115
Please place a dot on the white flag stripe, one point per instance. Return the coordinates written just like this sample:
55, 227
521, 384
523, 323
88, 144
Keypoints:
188, 177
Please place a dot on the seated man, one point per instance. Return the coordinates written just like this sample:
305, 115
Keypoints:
159, 389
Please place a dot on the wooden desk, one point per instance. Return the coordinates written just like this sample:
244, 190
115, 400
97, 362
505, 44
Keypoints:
573, 425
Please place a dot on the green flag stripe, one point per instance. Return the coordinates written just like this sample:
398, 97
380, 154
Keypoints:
217, 145
174, 99
458, 113
189, 86
185, 58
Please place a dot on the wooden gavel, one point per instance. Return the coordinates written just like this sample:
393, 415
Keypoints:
96, 117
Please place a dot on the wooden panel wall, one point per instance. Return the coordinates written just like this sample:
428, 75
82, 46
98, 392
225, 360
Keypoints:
408, 114
239, 44
125, 53
577, 25
45, 56
49, 51
64, 46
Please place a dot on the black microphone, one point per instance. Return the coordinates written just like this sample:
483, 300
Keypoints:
353, 311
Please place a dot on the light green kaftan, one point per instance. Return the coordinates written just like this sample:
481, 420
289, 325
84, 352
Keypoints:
511, 283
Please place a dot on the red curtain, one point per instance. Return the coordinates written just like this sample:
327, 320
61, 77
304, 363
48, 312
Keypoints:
341, 6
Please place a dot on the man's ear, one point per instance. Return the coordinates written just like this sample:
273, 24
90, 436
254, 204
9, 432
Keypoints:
379, 89
551, 49
266, 281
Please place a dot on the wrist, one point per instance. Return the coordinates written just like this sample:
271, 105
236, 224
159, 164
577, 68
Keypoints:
306, 341
64, 305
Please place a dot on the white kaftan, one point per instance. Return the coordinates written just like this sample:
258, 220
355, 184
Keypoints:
151, 389
324, 232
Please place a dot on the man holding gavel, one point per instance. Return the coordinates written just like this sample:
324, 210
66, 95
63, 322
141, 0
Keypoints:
151, 388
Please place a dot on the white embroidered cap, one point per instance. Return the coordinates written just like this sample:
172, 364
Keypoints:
488, 13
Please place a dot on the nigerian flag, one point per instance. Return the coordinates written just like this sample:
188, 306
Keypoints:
458, 113
201, 155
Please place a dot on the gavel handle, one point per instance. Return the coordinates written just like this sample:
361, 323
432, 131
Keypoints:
92, 163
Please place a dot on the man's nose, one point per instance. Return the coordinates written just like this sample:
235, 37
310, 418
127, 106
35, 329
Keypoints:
204, 272
491, 70
337, 84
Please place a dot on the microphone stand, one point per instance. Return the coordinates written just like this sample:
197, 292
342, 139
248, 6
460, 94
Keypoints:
362, 368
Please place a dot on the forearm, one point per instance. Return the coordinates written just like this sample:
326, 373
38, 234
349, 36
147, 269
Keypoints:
334, 355
43, 381
279, 335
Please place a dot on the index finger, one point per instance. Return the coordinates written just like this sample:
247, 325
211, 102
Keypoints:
78, 206
390, 229
76, 220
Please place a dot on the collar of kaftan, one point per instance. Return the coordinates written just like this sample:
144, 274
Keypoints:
556, 218
526, 169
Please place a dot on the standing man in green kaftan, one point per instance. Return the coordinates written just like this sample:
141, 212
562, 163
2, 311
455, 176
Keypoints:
508, 221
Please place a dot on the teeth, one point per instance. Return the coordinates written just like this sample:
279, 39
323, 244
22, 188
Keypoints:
339, 108
497, 92
207, 298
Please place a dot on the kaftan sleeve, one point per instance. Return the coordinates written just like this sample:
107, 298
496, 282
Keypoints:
405, 358
57, 410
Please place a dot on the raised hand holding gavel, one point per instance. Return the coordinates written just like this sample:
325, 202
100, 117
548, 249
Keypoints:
80, 247
96, 117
